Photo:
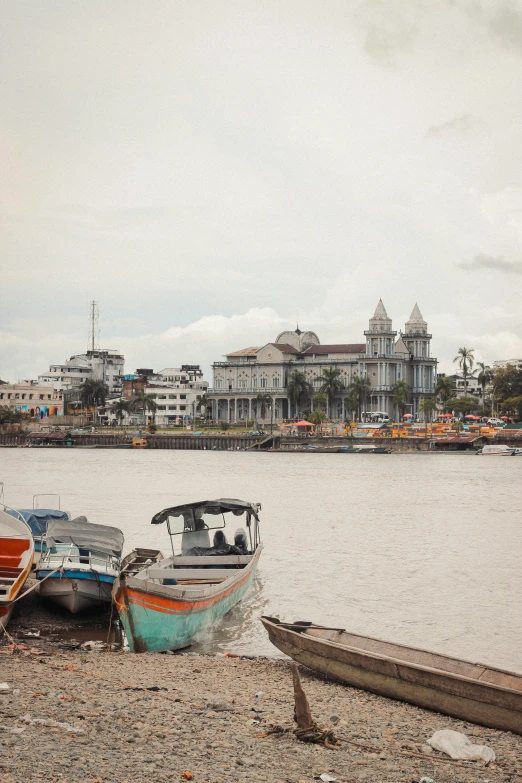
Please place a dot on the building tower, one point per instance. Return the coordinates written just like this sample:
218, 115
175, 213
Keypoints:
423, 366
380, 337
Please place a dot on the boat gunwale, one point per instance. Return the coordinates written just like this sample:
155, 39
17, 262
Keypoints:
178, 592
408, 664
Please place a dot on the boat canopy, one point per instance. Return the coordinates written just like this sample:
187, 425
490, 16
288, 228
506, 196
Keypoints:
38, 518
220, 506
85, 535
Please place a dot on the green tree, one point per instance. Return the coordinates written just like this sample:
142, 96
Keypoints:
332, 386
298, 389
144, 402
463, 405
320, 401
401, 393
458, 427
507, 383
360, 387
264, 401
484, 377
120, 408
93, 393
10, 416
445, 389
465, 359
203, 403
427, 406
350, 404
513, 407
317, 417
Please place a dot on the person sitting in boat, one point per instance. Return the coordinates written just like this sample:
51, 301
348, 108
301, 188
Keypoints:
220, 544
195, 535
240, 542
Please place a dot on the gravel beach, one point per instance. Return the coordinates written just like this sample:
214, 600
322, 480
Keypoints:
99, 716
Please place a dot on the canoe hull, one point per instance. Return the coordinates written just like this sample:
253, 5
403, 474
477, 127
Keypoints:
156, 619
76, 592
471, 701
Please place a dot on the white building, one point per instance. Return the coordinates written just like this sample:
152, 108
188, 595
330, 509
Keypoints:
383, 358
99, 364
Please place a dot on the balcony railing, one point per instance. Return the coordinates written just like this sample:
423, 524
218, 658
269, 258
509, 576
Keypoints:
273, 390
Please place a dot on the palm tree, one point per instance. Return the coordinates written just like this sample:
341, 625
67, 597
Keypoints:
264, 401
320, 401
445, 388
350, 403
93, 393
298, 389
359, 387
143, 402
465, 359
401, 392
332, 385
427, 406
120, 408
203, 403
484, 377
317, 417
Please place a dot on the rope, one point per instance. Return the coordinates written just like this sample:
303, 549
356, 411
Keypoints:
37, 584
313, 734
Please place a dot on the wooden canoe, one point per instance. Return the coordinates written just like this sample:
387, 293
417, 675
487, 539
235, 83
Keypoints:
16, 559
470, 691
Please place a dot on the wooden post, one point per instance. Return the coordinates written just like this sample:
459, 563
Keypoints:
303, 716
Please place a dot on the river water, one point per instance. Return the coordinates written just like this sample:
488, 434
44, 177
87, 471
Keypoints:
422, 549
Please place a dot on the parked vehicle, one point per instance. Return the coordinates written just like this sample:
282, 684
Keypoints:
496, 422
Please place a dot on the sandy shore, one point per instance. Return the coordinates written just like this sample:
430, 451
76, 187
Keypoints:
203, 720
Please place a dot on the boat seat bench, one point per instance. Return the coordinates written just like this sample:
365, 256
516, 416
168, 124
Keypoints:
192, 573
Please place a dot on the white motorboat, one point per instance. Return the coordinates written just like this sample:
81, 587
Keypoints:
497, 450
88, 557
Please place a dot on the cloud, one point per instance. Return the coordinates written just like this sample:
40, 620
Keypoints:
497, 263
463, 123
506, 25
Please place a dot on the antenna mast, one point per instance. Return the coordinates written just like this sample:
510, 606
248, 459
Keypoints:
94, 331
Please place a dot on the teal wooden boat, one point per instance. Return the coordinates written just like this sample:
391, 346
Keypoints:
165, 604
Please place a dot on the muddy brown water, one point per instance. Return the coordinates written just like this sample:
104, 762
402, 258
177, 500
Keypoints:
420, 549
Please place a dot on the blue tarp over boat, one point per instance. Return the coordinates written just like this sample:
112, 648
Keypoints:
38, 518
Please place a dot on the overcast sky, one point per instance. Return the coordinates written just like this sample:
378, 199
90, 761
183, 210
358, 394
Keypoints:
209, 171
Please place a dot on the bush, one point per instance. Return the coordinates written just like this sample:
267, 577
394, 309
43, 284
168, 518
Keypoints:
152, 428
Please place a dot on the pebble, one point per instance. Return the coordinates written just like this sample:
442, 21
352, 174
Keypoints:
205, 724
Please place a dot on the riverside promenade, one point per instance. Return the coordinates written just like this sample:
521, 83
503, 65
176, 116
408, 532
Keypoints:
241, 441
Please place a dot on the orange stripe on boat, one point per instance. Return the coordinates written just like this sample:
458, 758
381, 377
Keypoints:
169, 605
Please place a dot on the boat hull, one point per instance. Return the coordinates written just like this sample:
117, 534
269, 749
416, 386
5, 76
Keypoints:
75, 591
469, 700
6, 611
16, 559
156, 618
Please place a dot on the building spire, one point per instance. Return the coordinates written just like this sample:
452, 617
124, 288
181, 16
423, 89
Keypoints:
380, 310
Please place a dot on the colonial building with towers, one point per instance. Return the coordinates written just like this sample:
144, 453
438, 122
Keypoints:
384, 358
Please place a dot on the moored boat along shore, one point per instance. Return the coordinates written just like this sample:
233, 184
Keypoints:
114, 716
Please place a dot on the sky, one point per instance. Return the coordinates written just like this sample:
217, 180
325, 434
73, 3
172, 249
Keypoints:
210, 172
